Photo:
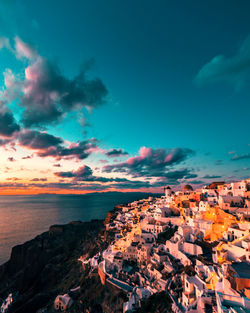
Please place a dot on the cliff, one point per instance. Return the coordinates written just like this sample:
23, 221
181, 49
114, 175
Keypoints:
48, 265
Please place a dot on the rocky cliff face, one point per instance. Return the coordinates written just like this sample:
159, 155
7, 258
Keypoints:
48, 265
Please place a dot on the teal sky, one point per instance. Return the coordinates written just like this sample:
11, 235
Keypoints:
176, 75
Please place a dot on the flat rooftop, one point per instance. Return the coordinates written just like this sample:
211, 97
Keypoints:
242, 269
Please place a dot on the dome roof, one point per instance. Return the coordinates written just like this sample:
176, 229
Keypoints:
187, 188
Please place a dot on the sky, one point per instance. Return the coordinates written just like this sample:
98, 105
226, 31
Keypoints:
123, 95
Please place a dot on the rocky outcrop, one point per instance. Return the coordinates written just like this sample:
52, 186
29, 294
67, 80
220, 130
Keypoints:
111, 215
48, 265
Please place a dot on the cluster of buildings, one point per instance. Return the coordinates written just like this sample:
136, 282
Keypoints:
192, 244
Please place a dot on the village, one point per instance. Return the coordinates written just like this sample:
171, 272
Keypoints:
192, 244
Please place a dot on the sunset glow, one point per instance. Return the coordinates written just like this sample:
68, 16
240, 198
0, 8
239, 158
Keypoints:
75, 125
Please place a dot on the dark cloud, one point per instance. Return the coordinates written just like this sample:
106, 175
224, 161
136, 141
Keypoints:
150, 162
11, 159
39, 179
180, 174
45, 93
67, 174
37, 140
50, 95
211, 176
85, 173
27, 157
112, 153
4, 142
47, 145
174, 177
235, 69
237, 157
57, 165
80, 150
8, 125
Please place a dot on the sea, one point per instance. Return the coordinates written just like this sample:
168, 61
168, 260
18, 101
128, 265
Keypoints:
22, 217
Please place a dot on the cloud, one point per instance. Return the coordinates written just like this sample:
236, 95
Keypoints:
48, 95
237, 157
11, 159
235, 69
73, 186
150, 162
4, 142
8, 125
180, 174
23, 50
103, 161
13, 178
85, 173
211, 176
174, 177
39, 179
50, 186
79, 150
112, 153
45, 93
47, 145
37, 140
27, 157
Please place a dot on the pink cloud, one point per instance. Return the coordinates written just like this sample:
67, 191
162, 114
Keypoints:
150, 162
23, 50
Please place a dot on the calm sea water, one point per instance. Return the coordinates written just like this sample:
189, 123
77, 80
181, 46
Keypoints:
24, 217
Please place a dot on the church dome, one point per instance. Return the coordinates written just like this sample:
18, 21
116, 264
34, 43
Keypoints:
187, 188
